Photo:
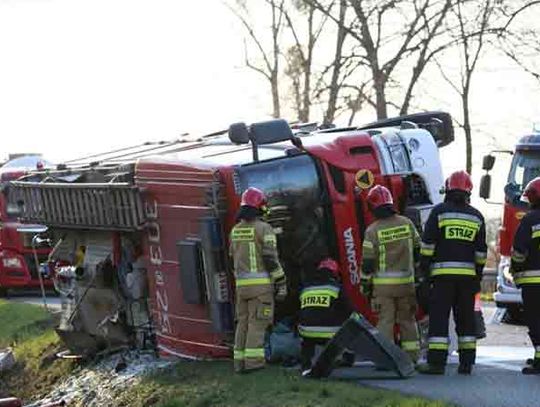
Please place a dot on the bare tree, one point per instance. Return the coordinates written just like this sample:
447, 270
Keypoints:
269, 55
521, 42
300, 56
473, 23
389, 33
336, 65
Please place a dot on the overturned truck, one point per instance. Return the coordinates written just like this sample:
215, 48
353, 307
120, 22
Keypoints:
141, 234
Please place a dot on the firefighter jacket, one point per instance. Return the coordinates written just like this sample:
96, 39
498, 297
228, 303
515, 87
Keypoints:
389, 244
525, 264
454, 241
323, 308
254, 252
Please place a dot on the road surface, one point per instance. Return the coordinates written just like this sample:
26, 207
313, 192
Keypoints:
496, 380
33, 297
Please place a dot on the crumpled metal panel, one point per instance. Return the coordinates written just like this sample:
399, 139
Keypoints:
360, 337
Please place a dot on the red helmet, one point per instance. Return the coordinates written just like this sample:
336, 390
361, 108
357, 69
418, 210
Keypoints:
532, 192
459, 181
379, 196
331, 265
253, 197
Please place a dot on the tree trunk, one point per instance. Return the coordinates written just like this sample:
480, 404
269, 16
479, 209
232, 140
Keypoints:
275, 95
333, 92
306, 96
408, 94
467, 127
380, 96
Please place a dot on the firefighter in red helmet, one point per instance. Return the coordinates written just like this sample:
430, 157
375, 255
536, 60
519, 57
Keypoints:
390, 249
453, 256
259, 276
323, 309
525, 268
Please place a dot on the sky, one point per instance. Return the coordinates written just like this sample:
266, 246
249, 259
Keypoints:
80, 76
84, 76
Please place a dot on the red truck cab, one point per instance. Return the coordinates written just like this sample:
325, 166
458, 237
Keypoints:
18, 268
525, 166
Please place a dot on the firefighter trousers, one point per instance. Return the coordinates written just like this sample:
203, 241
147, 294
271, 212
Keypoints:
456, 293
531, 310
254, 313
396, 305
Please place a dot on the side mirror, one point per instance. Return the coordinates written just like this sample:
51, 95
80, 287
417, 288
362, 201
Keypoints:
488, 162
485, 186
239, 133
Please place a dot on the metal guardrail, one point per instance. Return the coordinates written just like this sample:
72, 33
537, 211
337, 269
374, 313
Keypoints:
116, 206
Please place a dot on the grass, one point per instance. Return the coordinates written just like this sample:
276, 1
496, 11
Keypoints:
21, 322
28, 329
202, 384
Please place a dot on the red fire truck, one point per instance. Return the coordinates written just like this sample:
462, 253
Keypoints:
525, 166
165, 211
18, 267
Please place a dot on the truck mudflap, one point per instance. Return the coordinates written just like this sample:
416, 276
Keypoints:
359, 336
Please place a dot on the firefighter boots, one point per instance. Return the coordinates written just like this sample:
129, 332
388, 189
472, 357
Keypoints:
431, 369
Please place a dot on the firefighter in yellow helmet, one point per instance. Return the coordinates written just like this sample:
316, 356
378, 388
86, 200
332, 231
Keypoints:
259, 276
390, 246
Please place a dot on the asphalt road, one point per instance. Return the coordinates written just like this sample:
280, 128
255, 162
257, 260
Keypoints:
34, 297
496, 380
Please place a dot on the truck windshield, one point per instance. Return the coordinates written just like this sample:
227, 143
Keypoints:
297, 206
525, 167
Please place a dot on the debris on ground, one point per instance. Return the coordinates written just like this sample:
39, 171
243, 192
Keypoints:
7, 359
99, 384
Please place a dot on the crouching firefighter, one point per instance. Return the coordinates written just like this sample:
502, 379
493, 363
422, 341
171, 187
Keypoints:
258, 276
323, 309
390, 246
525, 268
453, 255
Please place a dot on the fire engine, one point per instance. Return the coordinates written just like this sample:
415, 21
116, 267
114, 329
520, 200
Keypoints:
18, 265
142, 232
525, 166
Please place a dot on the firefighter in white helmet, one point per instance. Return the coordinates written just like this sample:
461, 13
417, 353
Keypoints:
258, 275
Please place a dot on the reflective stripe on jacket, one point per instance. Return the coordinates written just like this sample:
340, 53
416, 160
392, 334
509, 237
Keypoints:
525, 264
454, 241
390, 243
323, 308
254, 251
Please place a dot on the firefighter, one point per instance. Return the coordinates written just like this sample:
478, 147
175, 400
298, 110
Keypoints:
390, 246
259, 276
453, 256
323, 309
525, 268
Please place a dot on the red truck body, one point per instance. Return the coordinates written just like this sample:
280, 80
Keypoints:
18, 268
175, 198
525, 167
181, 203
